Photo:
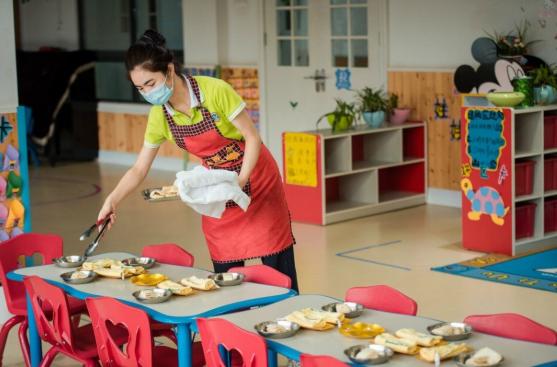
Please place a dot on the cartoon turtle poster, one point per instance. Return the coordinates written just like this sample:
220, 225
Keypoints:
486, 200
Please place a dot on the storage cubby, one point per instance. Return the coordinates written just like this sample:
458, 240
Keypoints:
528, 218
529, 183
337, 155
528, 129
550, 174
413, 146
362, 171
401, 182
376, 150
350, 191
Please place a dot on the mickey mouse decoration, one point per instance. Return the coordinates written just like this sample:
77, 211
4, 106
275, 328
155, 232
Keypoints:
495, 73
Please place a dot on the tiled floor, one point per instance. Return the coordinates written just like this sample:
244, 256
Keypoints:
404, 246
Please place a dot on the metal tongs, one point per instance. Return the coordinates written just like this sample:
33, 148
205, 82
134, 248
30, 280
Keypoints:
91, 248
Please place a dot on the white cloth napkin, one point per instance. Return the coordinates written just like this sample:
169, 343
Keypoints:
207, 191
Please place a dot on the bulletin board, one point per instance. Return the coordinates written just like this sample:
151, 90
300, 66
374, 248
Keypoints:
245, 81
300, 160
15, 216
486, 179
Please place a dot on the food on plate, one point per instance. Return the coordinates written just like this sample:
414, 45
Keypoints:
368, 353
361, 330
484, 357
448, 330
343, 308
204, 284
119, 271
421, 339
399, 345
176, 288
164, 192
79, 275
444, 351
311, 318
275, 328
228, 276
98, 264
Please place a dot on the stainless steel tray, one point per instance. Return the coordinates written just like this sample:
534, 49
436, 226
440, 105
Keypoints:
145, 262
289, 327
219, 278
89, 276
72, 261
147, 196
466, 330
385, 353
153, 295
356, 308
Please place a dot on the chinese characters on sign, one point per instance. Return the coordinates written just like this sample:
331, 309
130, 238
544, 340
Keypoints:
300, 159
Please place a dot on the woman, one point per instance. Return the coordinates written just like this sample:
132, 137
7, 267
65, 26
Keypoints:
206, 117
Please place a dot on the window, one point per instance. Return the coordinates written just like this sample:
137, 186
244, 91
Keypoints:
292, 33
109, 27
349, 46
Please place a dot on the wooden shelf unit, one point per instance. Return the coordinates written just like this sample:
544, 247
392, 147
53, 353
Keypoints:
361, 172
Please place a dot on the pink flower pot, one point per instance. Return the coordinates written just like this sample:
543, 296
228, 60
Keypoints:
400, 115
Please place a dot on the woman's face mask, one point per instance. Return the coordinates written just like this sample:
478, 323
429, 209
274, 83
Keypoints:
160, 94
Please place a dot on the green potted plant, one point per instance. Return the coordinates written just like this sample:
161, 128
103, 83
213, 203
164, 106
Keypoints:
513, 44
397, 115
545, 85
372, 104
342, 117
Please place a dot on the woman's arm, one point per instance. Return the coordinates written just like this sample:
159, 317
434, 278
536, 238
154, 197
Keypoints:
133, 177
253, 145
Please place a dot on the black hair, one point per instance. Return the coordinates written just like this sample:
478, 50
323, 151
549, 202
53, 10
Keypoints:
150, 52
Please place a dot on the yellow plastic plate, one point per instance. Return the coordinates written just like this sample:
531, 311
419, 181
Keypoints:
361, 330
148, 279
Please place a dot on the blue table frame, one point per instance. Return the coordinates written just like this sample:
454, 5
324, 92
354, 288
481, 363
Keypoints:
183, 323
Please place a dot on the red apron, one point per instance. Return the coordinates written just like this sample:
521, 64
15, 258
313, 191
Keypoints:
265, 228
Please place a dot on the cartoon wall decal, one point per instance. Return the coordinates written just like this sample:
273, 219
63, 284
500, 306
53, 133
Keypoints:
441, 109
343, 79
466, 170
293, 104
11, 159
503, 174
15, 185
486, 200
5, 128
455, 130
485, 140
484, 50
3, 186
16, 215
16, 232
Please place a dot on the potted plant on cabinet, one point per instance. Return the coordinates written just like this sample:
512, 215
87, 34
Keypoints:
397, 115
545, 85
372, 104
342, 117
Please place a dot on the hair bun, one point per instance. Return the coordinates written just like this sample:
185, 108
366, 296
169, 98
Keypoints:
153, 37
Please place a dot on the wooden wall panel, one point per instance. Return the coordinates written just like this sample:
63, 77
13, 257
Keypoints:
420, 90
120, 132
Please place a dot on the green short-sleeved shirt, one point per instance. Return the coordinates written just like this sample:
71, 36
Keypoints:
216, 95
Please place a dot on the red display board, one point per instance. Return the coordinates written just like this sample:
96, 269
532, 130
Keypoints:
486, 180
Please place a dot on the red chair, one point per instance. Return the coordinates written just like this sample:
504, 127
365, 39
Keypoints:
215, 332
263, 274
169, 253
27, 244
55, 325
320, 361
139, 349
512, 326
382, 298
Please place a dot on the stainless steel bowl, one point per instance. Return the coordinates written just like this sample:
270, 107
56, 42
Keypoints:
466, 330
86, 276
290, 328
461, 359
72, 261
145, 262
223, 280
384, 353
154, 295
356, 308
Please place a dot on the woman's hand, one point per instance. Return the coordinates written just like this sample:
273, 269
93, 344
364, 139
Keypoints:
108, 210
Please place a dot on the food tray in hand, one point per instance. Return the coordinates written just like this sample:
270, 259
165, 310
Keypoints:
278, 329
154, 295
148, 195
79, 276
454, 330
72, 261
349, 309
227, 279
369, 354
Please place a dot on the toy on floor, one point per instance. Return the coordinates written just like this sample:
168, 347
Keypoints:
486, 200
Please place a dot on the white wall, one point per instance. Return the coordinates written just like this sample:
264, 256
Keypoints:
49, 23
8, 71
200, 32
438, 34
